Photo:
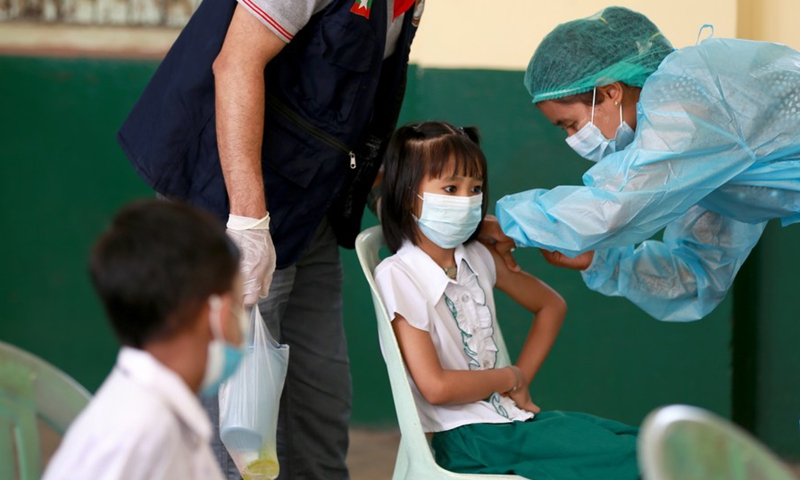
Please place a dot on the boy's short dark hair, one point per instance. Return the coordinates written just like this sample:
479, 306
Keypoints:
414, 151
156, 265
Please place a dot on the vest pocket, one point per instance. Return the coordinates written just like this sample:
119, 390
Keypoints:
287, 152
337, 80
295, 148
348, 47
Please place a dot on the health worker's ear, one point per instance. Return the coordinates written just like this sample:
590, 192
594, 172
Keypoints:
618, 95
609, 113
613, 92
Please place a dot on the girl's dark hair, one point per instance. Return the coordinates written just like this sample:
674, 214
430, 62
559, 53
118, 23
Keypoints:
156, 265
428, 148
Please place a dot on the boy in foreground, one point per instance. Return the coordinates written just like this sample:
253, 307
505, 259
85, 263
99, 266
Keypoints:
167, 275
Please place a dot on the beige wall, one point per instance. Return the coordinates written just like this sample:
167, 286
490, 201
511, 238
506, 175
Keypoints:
503, 35
465, 33
61, 40
772, 20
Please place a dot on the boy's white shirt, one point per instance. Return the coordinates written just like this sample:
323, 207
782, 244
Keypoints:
414, 286
143, 423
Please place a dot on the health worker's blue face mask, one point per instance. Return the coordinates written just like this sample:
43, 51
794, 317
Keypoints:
448, 221
223, 358
590, 143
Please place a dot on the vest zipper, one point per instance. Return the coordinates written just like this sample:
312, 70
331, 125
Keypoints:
320, 135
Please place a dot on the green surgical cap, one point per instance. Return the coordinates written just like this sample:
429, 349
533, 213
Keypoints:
614, 45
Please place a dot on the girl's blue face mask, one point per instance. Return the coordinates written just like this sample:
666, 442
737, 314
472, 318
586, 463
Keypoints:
590, 143
448, 221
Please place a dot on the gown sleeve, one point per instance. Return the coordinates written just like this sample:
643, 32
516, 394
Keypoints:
682, 152
683, 277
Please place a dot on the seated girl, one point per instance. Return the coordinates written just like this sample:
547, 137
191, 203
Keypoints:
437, 287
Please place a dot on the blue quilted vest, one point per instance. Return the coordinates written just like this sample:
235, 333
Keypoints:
332, 103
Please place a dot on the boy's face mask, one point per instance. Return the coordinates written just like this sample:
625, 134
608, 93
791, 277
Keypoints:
223, 358
448, 221
590, 143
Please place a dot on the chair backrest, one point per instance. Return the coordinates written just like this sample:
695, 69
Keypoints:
415, 460
680, 442
37, 404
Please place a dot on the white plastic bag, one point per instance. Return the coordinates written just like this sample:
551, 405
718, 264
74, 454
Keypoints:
248, 405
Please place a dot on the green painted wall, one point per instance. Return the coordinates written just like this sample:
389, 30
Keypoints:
777, 339
62, 176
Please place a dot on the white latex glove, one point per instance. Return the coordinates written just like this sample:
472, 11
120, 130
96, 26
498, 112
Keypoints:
257, 264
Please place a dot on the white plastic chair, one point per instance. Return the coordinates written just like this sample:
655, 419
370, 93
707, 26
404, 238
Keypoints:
680, 442
37, 403
414, 458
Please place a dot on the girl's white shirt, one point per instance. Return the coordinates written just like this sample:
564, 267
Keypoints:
460, 317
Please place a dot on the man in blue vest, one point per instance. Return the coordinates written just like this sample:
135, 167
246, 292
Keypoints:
274, 115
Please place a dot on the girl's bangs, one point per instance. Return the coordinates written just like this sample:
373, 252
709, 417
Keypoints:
454, 156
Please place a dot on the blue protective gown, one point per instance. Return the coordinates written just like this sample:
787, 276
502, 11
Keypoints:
716, 155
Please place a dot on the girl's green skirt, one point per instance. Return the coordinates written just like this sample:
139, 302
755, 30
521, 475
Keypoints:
552, 446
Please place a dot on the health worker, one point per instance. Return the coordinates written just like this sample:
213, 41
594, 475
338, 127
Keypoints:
703, 142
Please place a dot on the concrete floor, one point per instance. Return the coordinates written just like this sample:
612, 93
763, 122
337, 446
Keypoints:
372, 454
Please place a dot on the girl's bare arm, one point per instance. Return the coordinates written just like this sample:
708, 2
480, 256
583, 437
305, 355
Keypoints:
437, 385
549, 310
